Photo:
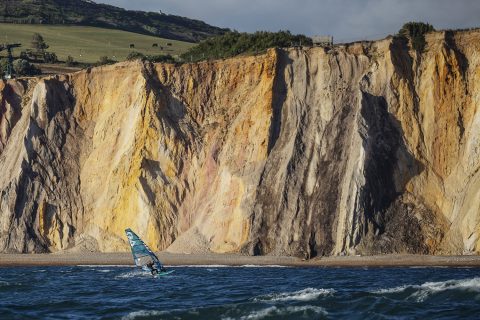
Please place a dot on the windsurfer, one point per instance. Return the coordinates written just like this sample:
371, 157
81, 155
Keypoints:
143, 256
152, 268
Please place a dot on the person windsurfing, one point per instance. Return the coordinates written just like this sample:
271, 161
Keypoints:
143, 256
152, 268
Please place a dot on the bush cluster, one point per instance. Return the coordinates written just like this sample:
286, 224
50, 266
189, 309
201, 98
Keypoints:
24, 68
50, 57
21, 67
70, 62
104, 60
236, 43
135, 55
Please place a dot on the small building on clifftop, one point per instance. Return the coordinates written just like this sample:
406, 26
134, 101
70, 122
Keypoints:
322, 41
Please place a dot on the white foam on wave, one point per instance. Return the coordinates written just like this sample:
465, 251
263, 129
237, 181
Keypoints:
143, 313
134, 274
104, 266
4, 283
423, 291
281, 311
307, 294
391, 290
263, 266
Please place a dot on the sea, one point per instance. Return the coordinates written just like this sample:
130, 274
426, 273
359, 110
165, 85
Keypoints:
244, 292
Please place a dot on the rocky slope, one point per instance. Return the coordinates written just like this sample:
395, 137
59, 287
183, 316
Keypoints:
366, 148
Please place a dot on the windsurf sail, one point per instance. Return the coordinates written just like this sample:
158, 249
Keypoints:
142, 255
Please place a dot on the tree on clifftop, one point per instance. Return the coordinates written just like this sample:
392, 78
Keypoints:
416, 32
38, 44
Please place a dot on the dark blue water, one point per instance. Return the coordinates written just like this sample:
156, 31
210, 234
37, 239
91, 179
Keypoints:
86, 292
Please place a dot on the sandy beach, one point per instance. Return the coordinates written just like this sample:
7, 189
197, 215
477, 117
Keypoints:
170, 259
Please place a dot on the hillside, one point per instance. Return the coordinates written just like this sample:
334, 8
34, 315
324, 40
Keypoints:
367, 148
89, 13
88, 44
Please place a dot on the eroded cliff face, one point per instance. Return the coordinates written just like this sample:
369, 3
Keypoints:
367, 148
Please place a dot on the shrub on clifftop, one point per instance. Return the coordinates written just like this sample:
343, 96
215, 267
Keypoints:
135, 55
70, 62
166, 58
25, 68
104, 60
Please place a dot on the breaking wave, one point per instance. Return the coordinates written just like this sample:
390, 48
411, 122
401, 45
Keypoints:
423, 291
298, 311
133, 274
143, 314
307, 294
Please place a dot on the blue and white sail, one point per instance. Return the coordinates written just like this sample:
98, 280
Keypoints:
142, 255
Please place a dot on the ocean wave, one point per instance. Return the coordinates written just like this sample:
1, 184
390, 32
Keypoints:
305, 311
143, 314
4, 283
201, 266
423, 291
307, 294
228, 266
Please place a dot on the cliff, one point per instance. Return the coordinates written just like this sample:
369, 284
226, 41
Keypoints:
365, 148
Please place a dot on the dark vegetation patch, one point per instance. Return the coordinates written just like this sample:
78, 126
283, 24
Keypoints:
235, 43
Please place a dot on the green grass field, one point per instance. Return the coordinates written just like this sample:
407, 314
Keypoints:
88, 44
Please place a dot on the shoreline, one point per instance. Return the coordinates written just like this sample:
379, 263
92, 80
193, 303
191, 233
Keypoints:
173, 259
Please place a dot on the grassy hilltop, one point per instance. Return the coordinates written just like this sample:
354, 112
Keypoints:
88, 44
89, 13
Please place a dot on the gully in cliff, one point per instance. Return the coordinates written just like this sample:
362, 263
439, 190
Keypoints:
144, 257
